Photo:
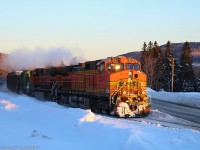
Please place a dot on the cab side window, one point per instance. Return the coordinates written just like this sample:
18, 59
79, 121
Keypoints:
133, 66
101, 67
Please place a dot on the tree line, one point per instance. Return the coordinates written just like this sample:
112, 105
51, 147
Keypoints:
165, 72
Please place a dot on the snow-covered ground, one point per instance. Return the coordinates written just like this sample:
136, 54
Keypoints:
185, 98
32, 124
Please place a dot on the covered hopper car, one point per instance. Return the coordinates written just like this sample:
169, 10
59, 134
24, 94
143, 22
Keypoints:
112, 85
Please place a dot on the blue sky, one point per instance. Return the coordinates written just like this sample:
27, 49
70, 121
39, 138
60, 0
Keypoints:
100, 28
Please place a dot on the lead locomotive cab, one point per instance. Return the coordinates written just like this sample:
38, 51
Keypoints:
126, 85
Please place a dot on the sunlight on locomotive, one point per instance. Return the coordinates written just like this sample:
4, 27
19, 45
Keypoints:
114, 86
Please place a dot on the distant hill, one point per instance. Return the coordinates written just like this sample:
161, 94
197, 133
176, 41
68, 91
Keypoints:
195, 48
176, 50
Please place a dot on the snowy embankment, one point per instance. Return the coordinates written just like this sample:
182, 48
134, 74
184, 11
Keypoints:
29, 123
191, 99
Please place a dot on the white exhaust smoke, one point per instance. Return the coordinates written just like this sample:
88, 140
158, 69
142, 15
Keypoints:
39, 58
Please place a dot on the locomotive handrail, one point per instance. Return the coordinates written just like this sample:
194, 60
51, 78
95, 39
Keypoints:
119, 87
54, 84
56, 90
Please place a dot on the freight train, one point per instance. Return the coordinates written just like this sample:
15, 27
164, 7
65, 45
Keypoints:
115, 85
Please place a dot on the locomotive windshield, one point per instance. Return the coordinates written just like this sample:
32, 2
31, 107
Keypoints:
113, 66
132, 66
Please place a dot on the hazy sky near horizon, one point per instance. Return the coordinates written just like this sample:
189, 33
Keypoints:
99, 28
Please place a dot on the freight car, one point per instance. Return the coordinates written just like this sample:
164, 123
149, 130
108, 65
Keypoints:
112, 85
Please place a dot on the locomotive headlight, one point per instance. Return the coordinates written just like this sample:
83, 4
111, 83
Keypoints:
143, 92
117, 67
124, 92
130, 74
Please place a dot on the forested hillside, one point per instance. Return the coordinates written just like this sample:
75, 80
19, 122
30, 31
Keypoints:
172, 67
176, 50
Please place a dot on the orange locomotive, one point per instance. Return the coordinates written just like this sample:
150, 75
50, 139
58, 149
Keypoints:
114, 84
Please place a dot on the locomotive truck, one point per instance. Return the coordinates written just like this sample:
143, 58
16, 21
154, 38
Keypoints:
115, 85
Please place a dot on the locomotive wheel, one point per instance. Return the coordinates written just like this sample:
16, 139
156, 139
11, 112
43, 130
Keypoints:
108, 111
98, 110
92, 110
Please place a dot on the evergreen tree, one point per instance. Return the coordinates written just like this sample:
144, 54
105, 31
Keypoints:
148, 63
176, 76
186, 75
155, 50
159, 68
168, 67
142, 58
150, 47
144, 48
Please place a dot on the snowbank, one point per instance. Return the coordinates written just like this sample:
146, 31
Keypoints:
47, 125
185, 98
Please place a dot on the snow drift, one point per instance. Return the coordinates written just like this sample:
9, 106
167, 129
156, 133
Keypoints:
47, 125
185, 98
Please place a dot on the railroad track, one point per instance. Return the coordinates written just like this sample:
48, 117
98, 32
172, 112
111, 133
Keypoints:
160, 122
166, 123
